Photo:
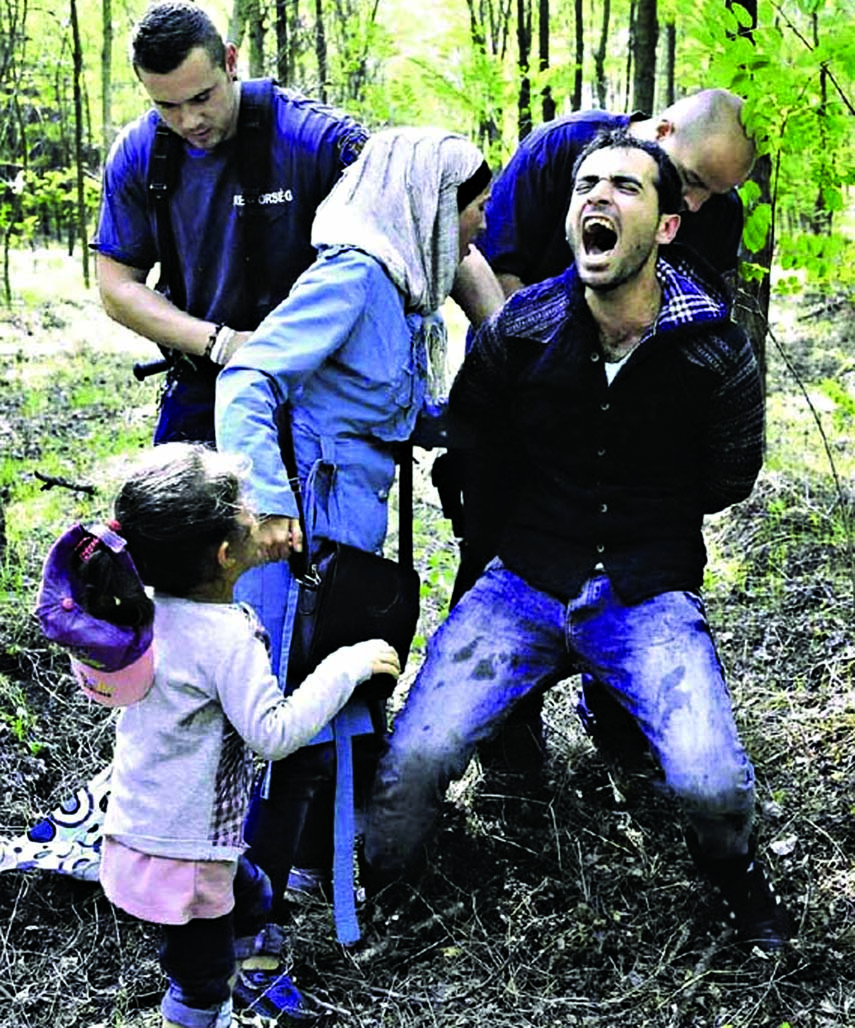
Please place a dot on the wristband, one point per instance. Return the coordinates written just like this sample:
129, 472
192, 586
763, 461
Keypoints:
212, 340
221, 351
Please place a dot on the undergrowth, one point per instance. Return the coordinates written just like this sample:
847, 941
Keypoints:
570, 904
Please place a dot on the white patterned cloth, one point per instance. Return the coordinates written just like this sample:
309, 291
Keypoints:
68, 840
398, 203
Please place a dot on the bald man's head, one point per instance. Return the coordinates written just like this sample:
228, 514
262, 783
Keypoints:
704, 136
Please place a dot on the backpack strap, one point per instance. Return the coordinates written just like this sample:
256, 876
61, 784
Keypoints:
405, 506
162, 172
255, 128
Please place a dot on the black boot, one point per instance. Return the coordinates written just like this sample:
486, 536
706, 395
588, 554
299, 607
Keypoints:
756, 911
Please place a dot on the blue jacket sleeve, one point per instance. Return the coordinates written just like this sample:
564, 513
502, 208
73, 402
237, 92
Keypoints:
312, 323
520, 216
125, 232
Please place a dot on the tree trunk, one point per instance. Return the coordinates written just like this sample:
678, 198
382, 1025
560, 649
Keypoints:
21, 127
580, 55
670, 61
822, 218
352, 25
236, 23
7, 273
600, 59
283, 55
321, 49
489, 132
629, 52
524, 122
60, 84
78, 141
4, 499
547, 103
645, 35
255, 30
543, 34
87, 121
106, 74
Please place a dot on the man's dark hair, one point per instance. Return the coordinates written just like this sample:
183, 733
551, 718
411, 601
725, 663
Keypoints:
168, 31
669, 185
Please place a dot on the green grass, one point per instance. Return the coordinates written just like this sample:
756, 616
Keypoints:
19, 718
70, 415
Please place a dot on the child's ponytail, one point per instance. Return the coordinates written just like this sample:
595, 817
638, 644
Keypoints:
112, 591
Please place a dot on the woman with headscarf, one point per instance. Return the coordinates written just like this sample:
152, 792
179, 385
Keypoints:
353, 350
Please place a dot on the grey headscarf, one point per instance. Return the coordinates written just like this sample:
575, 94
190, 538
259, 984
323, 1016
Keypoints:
398, 202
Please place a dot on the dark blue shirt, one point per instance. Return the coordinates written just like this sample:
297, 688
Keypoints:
310, 145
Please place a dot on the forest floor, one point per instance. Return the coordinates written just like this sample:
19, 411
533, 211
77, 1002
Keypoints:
570, 903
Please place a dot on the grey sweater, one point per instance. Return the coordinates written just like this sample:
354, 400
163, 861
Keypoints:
182, 769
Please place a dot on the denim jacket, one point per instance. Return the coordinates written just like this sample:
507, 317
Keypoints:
353, 365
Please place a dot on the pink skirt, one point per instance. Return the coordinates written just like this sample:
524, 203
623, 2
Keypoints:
164, 890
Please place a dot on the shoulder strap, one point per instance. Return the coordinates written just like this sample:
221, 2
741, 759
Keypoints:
298, 562
162, 170
255, 128
405, 506
255, 118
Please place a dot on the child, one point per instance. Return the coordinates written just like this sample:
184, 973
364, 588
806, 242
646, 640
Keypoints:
190, 668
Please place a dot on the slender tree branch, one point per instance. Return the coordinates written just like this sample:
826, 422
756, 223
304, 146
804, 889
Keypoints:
52, 481
843, 503
823, 64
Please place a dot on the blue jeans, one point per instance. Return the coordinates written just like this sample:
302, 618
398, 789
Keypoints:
506, 640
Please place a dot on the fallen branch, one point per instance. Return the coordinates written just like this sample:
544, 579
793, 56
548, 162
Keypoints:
50, 481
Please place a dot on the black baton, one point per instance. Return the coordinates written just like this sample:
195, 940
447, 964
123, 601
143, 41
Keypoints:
142, 371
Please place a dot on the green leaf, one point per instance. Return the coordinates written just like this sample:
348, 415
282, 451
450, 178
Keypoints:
752, 272
729, 19
743, 16
757, 226
832, 198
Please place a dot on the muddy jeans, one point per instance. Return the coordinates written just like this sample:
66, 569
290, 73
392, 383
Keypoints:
506, 640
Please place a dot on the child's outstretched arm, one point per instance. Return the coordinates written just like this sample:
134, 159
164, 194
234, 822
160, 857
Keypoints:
275, 726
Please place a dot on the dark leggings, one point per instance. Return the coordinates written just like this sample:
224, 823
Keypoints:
199, 957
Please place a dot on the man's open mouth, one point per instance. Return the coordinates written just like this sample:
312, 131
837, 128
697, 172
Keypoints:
598, 236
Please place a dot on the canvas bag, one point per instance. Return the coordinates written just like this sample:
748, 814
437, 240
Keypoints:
347, 595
